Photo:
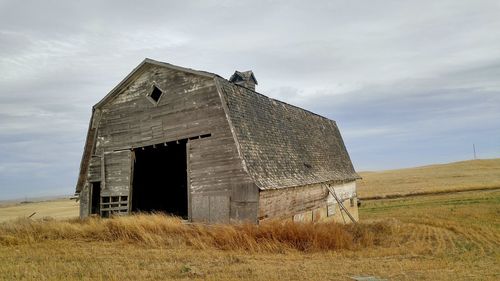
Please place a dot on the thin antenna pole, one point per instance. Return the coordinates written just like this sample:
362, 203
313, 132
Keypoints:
474, 148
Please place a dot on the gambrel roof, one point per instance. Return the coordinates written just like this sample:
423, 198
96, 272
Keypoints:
281, 145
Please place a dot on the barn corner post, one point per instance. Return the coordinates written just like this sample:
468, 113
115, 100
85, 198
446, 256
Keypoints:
130, 189
188, 151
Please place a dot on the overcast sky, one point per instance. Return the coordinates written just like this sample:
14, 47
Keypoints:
408, 82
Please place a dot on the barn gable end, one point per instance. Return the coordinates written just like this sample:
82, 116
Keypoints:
188, 114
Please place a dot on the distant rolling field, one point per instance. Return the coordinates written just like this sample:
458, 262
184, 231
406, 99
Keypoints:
464, 175
58, 208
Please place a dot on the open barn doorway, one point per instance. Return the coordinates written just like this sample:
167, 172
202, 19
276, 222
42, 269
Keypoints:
95, 198
160, 179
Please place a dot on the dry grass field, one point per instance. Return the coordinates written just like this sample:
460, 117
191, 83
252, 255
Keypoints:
454, 236
59, 208
439, 237
464, 175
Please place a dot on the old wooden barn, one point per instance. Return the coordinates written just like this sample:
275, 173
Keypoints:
193, 144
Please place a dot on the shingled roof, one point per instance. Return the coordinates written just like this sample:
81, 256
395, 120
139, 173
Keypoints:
284, 145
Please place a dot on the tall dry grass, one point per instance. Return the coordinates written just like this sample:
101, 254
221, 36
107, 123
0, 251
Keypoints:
159, 230
439, 237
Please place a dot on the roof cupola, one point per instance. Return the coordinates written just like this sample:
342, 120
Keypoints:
245, 79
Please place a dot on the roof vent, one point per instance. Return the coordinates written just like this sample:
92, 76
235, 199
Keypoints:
245, 79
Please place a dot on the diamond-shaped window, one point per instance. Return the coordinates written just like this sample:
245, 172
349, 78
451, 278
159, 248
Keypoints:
155, 94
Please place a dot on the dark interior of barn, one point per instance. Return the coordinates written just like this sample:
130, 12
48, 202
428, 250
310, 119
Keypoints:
96, 198
160, 179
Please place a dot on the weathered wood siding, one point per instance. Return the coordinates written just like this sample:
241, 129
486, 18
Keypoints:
220, 188
85, 201
303, 200
95, 169
117, 173
190, 106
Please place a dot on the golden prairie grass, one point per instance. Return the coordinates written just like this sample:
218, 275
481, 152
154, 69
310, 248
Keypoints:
442, 237
464, 175
158, 230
